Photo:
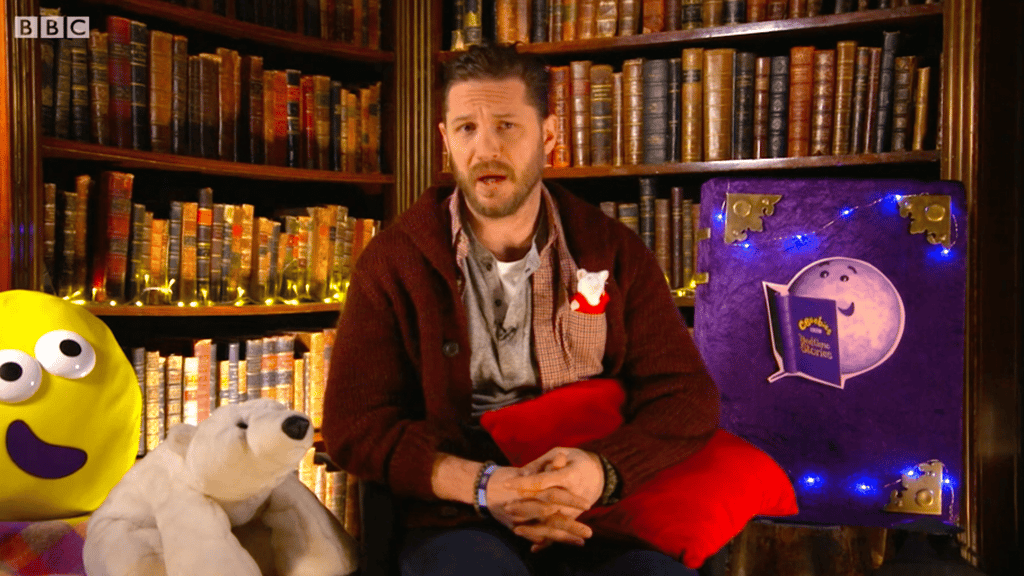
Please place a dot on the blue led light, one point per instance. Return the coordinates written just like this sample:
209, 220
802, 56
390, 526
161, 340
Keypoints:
865, 486
720, 216
745, 244
911, 472
897, 197
811, 481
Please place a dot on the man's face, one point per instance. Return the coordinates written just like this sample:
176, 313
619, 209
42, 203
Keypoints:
497, 143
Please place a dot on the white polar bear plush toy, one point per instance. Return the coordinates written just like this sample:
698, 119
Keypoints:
221, 499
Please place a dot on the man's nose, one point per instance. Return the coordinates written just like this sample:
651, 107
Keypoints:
488, 143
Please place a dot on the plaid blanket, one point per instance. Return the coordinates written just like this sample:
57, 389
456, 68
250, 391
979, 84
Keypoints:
47, 548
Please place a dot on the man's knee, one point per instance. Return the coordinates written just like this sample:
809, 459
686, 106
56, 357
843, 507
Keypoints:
457, 552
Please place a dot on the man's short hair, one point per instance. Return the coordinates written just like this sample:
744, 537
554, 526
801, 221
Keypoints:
500, 62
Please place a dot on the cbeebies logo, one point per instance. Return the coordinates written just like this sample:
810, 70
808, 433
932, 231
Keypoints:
51, 26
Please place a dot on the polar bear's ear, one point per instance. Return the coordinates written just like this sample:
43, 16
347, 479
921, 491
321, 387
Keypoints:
603, 274
580, 273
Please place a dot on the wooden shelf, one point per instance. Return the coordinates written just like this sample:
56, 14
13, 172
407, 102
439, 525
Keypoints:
231, 28
729, 166
791, 28
209, 311
683, 301
139, 160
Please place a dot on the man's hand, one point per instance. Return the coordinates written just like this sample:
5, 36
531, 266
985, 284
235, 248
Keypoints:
577, 471
543, 517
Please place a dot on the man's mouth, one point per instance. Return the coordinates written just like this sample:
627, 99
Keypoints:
848, 311
39, 458
491, 179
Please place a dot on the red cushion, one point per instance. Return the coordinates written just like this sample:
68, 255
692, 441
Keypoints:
689, 510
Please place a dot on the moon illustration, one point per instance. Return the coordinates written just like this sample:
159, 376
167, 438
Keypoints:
869, 310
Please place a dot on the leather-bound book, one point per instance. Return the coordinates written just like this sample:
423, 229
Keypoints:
230, 96
66, 220
801, 88
579, 108
844, 6
322, 121
79, 89
586, 19
358, 8
282, 121
555, 9
607, 18
886, 4
209, 104
674, 109
343, 19
244, 218
111, 221
250, 110
629, 215
871, 110
886, 89
539, 21
50, 235
673, 15
157, 262
269, 118
757, 10
691, 14
618, 121
354, 129
797, 8
138, 53
778, 107
338, 118
99, 87
195, 114
813, 8
663, 235
374, 128
366, 128
307, 139
713, 13
84, 192
633, 109
160, 90
655, 114
778, 10
863, 5
179, 95
653, 16
859, 105
688, 247
189, 246
609, 208
691, 137
62, 90
48, 74
216, 253
846, 57
472, 22
570, 16
204, 243
675, 272
601, 120
629, 17
921, 106
505, 16
294, 111
903, 103
374, 24
718, 105
743, 103
174, 250
762, 82
823, 102
734, 12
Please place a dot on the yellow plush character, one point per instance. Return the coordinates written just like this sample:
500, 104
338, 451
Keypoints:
69, 408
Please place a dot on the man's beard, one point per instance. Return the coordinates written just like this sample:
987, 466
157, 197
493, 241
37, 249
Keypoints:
522, 185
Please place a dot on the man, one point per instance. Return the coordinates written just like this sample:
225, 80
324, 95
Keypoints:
463, 306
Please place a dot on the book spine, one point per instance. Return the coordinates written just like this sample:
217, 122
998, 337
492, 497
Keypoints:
268, 368
609, 209
373, 129
713, 13
762, 82
117, 198
675, 273
757, 10
48, 75
718, 103
210, 104
253, 368
653, 16
84, 191
230, 93
337, 112
633, 109
903, 103
813, 8
204, 243
560, 87
195, 114
539, 28
618, 124
646, 222
154, 389
160, 90
801, 87
174, 249
674, 108
743, 125
886, 89
692, 87
190, 392
322, 121
846, 57
778, 107
629, 17
137, 259
823, 102
655, 111
580, 110
505, 21
50, 233
921, 106
472, 22
230, 394
138, 54
293, 95
260, 269
250, 114
179, 96
858, 114
175, 391
607, 18
202, 353
307, 131
189, 250
600, 115
155, 293
62, 90
119, 68
691, 14
629, 216
662, 235
673, 15
798, 8
688, 246
778, 9
285, 370
80, 115
734, 12
138, 356
244, 218
69, 258
555, 20
569, 18
871, 111
216, 253
586, 22
229, 260
844, 6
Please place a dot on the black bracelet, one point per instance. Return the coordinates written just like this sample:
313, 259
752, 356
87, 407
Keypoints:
611, 483
480, 488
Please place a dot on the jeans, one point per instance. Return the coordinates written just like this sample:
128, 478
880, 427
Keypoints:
494, 549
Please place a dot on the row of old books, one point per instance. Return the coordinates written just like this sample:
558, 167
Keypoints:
101, 246
356, 22
337, 490
667, 226
136, 88
185, 379
509, 21
725, 104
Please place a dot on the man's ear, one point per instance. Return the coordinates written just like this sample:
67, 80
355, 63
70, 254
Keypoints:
548, 127
444, 136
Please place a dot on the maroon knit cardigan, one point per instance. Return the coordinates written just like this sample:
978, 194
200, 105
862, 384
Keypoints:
399, 385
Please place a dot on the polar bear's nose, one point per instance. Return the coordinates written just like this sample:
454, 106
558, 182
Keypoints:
295, 427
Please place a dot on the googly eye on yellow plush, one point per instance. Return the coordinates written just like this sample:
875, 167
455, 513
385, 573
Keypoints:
69, 408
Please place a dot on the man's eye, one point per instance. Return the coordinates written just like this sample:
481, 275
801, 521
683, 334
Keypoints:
466, 128
506, 125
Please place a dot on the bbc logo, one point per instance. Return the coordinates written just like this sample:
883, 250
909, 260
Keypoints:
51, 26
